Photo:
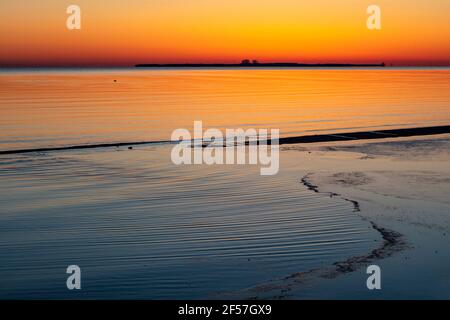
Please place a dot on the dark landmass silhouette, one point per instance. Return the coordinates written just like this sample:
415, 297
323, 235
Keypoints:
255, 64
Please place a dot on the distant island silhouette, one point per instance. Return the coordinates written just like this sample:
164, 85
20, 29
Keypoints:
255, 64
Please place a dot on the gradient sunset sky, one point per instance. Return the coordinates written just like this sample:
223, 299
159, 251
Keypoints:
126, 32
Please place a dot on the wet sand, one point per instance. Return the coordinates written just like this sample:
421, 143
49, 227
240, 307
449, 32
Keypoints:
401, 187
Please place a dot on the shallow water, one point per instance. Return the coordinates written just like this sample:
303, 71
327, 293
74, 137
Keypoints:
68, 107
140, 227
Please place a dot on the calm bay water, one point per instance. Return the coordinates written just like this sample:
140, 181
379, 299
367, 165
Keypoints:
140, 227
54, 108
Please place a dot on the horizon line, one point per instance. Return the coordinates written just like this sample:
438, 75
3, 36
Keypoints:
135, 66
245, 62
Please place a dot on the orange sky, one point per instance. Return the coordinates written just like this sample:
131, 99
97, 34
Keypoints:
126, 32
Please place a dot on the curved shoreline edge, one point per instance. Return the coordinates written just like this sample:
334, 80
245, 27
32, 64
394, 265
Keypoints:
345, 136
393, 242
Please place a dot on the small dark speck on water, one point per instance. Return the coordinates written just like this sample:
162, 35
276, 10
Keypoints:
130, 148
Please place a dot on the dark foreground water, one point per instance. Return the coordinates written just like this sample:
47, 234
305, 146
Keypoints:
140, 227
